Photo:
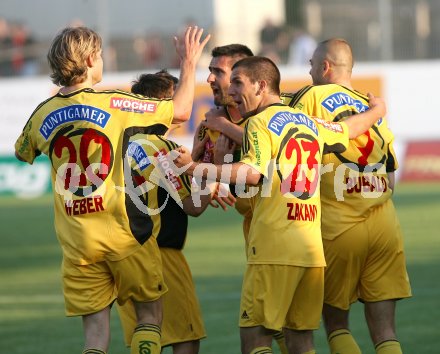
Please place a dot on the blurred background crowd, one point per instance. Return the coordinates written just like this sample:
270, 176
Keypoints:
378, 30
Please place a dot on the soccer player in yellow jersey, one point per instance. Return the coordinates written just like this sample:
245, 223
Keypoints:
182, 324
82, 130
226, 120
164, 202
284, 280
362, 238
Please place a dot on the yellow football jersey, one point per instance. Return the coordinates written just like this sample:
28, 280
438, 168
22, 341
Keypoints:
242, 204
82, 133
286, 147
355, 180
157, 192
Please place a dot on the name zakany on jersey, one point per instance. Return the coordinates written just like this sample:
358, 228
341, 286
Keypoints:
286, 147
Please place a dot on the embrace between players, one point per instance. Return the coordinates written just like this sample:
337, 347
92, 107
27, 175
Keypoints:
128, 251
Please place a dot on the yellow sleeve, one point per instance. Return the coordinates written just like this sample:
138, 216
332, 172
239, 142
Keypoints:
257, 146
24, 146
391, 162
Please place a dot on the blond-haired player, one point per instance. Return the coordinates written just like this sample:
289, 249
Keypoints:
81, 130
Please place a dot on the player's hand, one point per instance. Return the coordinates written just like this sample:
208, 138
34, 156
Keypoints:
223, 150
222, 197
189, 48
199, 144
377, 104
182, 157
215, 119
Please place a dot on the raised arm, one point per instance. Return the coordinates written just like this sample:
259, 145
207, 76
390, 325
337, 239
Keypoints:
189, 48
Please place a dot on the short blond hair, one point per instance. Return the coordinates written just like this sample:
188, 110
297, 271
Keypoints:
68, 54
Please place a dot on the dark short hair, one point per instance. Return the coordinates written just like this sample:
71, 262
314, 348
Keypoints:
165, 73
232, 50
157, 85
258, 68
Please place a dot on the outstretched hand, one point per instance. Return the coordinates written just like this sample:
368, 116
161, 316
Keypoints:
189, 46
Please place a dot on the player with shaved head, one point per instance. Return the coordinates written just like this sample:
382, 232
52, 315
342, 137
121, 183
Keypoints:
361, 233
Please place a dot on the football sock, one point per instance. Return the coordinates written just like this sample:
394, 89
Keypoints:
93, 351
146, 339
342, 342
279, 337
262, 350
389, 347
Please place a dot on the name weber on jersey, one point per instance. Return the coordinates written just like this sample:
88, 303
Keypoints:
84, 206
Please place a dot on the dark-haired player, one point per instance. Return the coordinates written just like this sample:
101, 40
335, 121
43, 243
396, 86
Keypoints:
283, 284
170, 202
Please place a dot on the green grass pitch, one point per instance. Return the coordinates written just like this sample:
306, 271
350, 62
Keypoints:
31, 303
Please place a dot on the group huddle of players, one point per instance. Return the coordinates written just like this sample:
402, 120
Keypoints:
311, 172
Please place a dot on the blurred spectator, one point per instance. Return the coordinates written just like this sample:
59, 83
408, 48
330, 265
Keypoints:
301, 48
275, 42
269, 35
111, 58
5, 48
283, 44
24, 51
150, 50
18, 50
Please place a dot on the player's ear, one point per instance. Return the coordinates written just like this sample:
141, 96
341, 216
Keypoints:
326, 66
90, 60
262, 85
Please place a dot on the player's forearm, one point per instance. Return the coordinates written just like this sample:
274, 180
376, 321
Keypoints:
360, 123
184, 94
235, 173
200, 198
233, 132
